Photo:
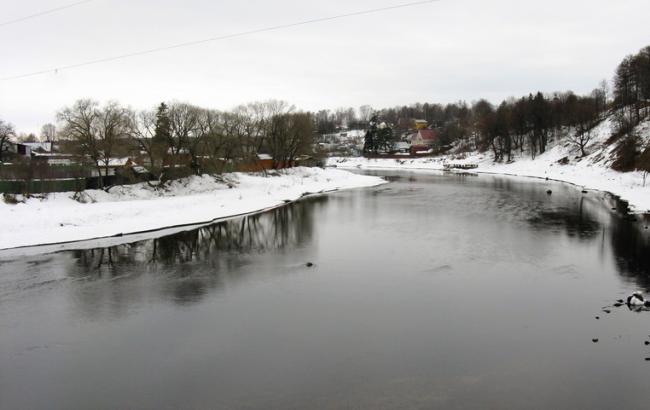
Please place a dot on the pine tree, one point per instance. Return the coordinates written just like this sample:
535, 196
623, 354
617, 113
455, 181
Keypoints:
162, 132
379, 137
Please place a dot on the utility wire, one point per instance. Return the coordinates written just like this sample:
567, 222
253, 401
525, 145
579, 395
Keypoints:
217, 38
42, 13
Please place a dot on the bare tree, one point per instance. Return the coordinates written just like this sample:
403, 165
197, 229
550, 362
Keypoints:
365, 113
290, 135
143, 127
185, 136
99, 132
48, 132
7, 131
585, 119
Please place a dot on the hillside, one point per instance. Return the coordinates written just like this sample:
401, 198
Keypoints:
561, 162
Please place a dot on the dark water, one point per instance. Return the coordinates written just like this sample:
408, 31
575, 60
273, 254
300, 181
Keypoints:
435, 291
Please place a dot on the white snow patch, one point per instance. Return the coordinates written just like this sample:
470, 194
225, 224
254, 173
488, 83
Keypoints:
140, 207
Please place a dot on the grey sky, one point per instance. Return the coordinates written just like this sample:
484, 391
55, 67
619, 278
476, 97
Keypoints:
439, 52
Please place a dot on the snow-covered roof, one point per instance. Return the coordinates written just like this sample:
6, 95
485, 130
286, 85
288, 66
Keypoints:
264, 157
116, 162
43, 146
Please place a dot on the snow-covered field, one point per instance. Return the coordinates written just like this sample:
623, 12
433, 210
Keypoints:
138, 208
591, 172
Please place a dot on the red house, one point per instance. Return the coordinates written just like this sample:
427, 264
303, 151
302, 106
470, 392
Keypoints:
423, 140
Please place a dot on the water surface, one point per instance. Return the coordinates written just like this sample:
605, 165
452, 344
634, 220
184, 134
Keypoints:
434, 291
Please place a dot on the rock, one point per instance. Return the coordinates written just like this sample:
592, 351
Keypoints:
549, 192
620, 301
647, 359
309, 264
585, 192
647, 343
618, 304
594, 340
607, 311
597, 317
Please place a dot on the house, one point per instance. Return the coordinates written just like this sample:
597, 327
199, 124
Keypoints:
424, 138
54, 158
420, 124
401, 147
27, 149
113, 166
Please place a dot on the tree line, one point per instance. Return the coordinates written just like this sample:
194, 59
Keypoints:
183, 138
528, 124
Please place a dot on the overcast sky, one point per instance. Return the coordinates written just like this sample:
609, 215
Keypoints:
439, 52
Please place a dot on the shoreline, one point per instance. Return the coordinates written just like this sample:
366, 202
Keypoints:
136, 210
639, 204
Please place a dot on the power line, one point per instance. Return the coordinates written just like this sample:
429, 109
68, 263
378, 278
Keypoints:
42, 13
217, 38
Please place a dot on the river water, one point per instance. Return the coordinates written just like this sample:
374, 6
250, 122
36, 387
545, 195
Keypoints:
433, 291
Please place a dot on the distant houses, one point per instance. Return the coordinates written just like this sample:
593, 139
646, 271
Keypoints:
411, 137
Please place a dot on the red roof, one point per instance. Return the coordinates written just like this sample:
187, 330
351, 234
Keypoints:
428, 134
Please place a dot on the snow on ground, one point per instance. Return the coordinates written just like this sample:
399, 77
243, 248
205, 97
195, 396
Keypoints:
137, 208
590, 172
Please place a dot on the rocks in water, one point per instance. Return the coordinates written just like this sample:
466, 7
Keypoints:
309, 264
620, 301
549, 192
618, 304
584, 191
647, 343
636, 299
607, 311
647, 359
597, 317
594, 340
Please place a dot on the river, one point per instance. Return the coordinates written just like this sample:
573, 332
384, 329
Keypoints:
434, 291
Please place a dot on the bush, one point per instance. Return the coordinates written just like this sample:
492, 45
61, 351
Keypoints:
10, 199
627, 154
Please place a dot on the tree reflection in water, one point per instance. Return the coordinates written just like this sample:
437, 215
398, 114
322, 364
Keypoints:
196, 261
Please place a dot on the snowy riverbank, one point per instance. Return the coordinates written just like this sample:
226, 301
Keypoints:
137, 208
560, 162
629, 186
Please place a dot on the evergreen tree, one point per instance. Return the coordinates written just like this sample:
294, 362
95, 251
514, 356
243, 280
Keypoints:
379, 137
163, 130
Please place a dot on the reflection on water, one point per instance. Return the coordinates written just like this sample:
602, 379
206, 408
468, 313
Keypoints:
201, 260
434, 291
280, 228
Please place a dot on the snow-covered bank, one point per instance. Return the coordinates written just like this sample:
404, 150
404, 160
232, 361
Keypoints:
560, 163
138, 208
